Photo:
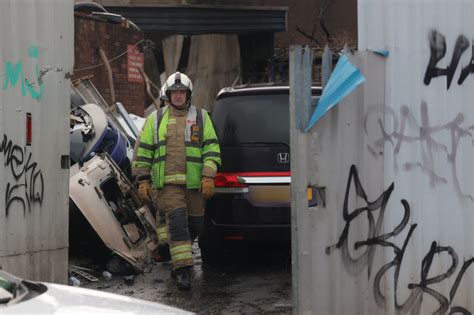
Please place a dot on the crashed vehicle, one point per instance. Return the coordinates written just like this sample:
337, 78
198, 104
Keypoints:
92, 133
107, 219
18, 296
107, 200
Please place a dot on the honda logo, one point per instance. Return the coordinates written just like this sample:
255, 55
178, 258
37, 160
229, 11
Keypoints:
283, 158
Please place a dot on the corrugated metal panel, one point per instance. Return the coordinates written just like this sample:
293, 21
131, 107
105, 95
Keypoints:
203, 20
36, 53
395, 235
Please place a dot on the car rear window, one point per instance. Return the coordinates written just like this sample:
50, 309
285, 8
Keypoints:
252, 119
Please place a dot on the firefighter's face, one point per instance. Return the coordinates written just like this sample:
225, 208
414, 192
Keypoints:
178, 98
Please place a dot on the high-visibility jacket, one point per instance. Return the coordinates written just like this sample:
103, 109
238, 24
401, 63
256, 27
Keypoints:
202, 148
175, 162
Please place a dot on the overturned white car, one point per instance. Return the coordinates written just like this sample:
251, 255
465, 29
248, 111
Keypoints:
107, 219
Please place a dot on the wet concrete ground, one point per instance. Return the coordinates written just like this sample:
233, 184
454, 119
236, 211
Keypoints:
253, 280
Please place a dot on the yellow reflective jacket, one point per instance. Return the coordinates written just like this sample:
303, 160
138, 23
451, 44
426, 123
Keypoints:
202, 148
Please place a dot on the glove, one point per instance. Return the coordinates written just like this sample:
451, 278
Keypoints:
207, 187
144, 191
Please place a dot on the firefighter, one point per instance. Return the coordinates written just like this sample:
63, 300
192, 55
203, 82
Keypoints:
179, 153
163, 253
162, 229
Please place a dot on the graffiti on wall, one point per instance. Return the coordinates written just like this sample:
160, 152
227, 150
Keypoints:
27, 187
373, 212
431, 138
437, 43
14, 75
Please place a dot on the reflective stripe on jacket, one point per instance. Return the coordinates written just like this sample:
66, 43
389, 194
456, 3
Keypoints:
202, 148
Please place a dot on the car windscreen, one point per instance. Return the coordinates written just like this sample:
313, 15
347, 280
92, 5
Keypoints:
252, 120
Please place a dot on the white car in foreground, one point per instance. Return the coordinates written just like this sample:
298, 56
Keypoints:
19, 296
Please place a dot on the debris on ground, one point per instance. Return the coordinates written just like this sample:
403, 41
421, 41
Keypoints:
73, 281
82, 274
107, 275
129, 280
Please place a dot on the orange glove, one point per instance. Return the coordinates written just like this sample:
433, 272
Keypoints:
144, 191
207, 187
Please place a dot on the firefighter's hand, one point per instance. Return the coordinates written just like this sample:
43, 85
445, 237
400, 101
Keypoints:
144, 191
207, 187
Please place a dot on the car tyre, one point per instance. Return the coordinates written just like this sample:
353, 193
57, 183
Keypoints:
210, 244
211, 247
210, 255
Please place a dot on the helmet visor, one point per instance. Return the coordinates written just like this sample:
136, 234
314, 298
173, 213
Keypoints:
178, 86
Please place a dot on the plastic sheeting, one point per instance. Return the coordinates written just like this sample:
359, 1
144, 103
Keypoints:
343, 80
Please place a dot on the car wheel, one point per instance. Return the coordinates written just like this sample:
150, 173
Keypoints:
210, 243
210, 255
211, 247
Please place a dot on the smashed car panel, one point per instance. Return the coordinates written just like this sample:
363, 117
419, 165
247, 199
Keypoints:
108, 201
86, 90
92, 133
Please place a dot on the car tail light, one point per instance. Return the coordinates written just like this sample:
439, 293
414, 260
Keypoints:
227, 180
232, 179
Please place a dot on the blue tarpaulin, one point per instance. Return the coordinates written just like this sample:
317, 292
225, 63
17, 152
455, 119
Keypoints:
381, 52
343, 80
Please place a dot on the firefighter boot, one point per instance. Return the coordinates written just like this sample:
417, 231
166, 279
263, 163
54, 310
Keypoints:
183, 278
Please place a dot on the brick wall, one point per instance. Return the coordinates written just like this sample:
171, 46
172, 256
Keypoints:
92, 34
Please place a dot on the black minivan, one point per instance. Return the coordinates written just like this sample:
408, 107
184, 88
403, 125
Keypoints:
252, 200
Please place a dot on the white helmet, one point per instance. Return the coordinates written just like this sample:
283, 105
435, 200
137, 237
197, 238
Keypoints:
178, 81
163, 96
